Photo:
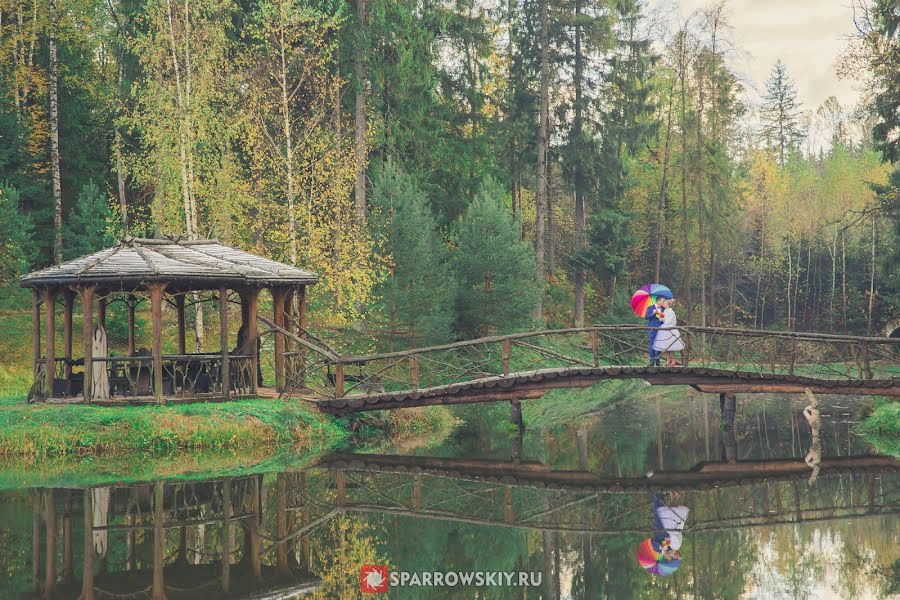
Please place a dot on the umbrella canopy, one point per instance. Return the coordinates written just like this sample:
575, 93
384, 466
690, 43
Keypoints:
647, 295
653, 561
646, 555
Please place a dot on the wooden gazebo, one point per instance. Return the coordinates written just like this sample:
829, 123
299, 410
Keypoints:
165, 269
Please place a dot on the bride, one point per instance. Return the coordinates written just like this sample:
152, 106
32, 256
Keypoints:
668, 338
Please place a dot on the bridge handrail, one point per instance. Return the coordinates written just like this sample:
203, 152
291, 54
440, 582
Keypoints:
795, 335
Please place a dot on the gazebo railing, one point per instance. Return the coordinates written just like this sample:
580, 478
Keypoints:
184, 376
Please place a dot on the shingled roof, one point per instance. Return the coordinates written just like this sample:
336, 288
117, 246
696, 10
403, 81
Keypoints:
196, 263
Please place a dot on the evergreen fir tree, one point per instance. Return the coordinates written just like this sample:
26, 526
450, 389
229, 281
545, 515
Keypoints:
418, 292
780, 113
494, 267
90, 224
16, 245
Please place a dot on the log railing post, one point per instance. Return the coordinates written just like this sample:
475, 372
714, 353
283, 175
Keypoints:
505, 350
867, 365
414, 371
793, 357
595, 347
338, 379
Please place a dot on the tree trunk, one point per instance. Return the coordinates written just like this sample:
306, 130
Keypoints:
872, 278
663, 191
844, 277
360, 69
288, 139
541, 176
120, 169
54, 136
682, 64
701, 206
577, 129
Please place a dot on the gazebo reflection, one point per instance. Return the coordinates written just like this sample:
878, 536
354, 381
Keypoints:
192, 540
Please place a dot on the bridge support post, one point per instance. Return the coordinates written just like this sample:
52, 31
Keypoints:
728, 407
515, 413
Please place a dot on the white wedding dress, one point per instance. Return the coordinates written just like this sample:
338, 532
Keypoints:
668, 338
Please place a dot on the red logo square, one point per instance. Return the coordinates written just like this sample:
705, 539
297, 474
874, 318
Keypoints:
373, 579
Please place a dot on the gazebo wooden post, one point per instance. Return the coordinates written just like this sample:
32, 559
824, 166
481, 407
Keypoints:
223, 341
132, 303
50, 572
156, 296
159, 544
87, 579
290, 360
69, 305
251, 343
87, 311
101, 310
255, 542
226, 535
179, 310
50, 334
67, 537
36, 329
301, 321
281, 550
278, 296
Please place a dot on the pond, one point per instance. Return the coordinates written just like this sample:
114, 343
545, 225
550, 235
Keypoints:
563, 511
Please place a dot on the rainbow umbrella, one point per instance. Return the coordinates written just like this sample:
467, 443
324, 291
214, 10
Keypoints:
647, 295
653, 561
647, 556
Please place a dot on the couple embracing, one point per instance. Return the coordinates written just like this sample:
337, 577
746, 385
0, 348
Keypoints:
664, 335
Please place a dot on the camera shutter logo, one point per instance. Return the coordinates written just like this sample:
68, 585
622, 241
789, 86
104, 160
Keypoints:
373, 579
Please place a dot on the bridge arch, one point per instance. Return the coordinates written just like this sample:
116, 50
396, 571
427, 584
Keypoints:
892, 329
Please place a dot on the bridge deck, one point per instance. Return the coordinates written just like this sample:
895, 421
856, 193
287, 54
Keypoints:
533, 384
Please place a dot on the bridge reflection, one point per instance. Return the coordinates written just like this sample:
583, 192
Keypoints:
253, 535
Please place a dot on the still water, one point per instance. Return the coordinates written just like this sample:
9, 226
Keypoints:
562, 510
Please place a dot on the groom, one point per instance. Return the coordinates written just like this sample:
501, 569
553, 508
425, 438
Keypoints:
653, 316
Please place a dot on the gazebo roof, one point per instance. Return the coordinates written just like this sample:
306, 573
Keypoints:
191, 264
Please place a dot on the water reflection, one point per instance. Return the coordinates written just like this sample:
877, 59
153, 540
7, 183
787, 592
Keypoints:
575, 504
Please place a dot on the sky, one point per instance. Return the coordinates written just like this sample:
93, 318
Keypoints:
807, 35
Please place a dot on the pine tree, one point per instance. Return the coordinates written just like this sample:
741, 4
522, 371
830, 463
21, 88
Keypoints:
90, 224
495, 269
15, 239
419, 291
780, 113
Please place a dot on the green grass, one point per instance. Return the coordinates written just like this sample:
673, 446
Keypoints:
45, 430
882, 428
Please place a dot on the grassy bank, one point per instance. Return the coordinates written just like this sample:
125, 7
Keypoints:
882, 428
40, 430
